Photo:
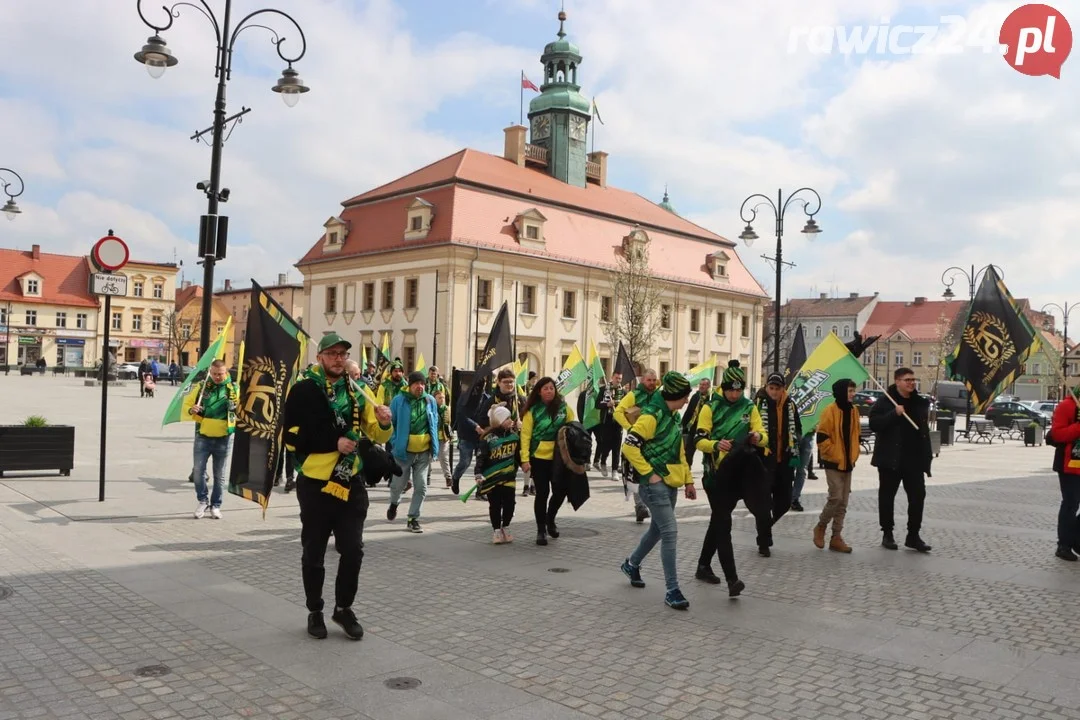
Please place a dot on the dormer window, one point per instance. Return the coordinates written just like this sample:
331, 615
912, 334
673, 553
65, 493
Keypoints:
335, 233
31, 284
418, 218
530, 229
635, 244
32, 287
717, 265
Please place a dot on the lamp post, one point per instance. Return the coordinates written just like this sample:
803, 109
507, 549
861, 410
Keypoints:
157, 57
779, 208
1064, 309
11, 208
947, 279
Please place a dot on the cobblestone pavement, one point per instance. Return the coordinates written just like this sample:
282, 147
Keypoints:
982, 628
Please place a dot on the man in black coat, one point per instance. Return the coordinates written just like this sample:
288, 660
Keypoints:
902, 455
690, 418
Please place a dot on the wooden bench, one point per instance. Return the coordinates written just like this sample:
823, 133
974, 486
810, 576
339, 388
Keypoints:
984, 430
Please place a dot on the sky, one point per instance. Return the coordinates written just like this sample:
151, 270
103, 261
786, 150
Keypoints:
924, 159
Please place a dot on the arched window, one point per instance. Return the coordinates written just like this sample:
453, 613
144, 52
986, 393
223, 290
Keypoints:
847, 331
817, 332
835, 330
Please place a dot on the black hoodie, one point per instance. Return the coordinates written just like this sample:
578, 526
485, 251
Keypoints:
840, 392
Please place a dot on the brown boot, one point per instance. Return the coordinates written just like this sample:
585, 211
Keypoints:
837, 543
819, 536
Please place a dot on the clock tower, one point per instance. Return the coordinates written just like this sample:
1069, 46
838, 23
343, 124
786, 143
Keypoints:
559, 115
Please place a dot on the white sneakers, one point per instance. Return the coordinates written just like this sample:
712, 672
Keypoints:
200, 512
500, 537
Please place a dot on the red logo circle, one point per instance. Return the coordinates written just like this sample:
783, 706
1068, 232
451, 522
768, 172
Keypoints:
1037, 40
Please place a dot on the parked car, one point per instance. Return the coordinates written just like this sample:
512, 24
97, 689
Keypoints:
865, 399
1004, 412
951, 395
127, 371
1046, 407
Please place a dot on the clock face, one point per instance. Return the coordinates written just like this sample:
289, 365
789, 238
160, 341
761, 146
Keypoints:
577, 127
541, 127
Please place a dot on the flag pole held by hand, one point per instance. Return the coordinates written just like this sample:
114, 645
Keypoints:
895, 404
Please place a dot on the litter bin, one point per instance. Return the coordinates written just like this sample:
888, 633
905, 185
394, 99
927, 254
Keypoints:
935, 442
945, 427
1033, 435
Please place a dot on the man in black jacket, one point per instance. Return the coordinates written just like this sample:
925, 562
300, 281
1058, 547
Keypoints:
902, 455
690, 418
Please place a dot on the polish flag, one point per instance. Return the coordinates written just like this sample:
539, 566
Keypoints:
527, 84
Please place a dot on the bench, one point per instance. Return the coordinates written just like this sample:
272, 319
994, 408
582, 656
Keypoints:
866, 436
27, 369
984, 430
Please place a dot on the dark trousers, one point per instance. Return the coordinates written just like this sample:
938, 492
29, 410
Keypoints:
286, 465
783, 480
914, 483
724, 494
690, 446
610, 442
543, 510
1068, 526
321, 515
597, 432
501, 500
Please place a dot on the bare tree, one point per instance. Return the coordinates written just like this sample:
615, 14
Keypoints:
790, 319
180, 329
948, 338
637, 295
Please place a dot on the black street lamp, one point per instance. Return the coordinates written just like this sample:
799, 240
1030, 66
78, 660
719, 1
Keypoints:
1064, 309
11, 208
947, 279
779, 208
157, 57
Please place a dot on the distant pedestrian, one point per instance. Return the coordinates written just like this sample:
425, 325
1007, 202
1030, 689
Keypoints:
445, 436
215, 421
545, 412
783, 428
415, 441
838, 443
496, 471
174, 373
1065, 436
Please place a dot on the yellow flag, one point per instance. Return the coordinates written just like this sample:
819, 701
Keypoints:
420, 364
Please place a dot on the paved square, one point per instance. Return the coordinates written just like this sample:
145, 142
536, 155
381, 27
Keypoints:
984, 627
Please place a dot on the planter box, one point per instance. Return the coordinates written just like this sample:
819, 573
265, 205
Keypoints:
25, 449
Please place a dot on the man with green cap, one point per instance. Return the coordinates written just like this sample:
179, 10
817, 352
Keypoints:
323, 422
393, 385
654, 447
415, 441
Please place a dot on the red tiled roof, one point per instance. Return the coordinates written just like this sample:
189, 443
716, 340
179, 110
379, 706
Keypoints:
922, 321
65, 278
477, 196
195, 292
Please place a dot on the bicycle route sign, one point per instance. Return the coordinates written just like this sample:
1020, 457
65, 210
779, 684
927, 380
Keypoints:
108, 284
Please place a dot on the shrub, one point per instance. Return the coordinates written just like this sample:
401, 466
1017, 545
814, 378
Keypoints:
35, 421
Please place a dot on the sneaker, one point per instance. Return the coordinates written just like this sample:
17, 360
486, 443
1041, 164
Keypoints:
796, 506
413, 526
525, 492
674, 599
391, 512
346, 618
810, 475
604, 470
316, 628
704, 572
215, 512
641, 514
497, 538
634, 573
915, 543
887, 540
735, 588
201, 510
553, 531
541, 538
507, 537
1065, 553
277, 481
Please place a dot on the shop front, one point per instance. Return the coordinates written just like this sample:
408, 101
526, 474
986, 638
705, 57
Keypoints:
71, 352
140, 349
29, 349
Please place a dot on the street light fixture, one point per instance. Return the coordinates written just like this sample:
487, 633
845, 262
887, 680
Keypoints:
947, 279
11, 208
1064, 309
157, 57
779, 208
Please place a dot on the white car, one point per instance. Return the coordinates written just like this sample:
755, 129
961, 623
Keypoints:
1045, 407
127, 371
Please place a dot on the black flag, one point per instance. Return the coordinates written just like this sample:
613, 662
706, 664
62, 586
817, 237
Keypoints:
797, 356
624, 366
859, 345
274, 349
996, 342
498, 351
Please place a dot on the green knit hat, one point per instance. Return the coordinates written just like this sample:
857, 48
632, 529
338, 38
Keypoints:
734, 377
675, 386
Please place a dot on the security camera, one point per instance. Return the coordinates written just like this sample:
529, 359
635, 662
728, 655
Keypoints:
223, 196
204, 185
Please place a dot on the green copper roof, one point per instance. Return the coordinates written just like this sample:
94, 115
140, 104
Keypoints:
560, 98
560, 94
666, 204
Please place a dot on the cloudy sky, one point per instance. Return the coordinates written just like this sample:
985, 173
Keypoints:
923, 159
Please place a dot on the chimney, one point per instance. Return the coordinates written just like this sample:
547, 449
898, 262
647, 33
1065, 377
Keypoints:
35, 252
600, 158
853, 296
824, 296
282, 278
185, 284
920, 300
228, 284
514, 144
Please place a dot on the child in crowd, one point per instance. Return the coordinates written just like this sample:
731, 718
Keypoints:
497, 461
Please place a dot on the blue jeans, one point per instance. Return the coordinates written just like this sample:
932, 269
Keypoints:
206, 448
660, 499
466, 450
806, 454
415, 468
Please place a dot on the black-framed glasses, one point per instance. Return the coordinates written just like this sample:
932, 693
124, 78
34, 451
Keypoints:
336, 353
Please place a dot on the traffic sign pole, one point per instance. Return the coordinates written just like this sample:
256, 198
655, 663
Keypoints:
104, 395
109, 254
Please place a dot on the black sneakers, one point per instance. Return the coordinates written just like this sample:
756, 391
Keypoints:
915, 543
887, 540
391, 512
705, 572
316, 628
413, 525
796, 506
541, 538
346, 618
1065, 553
634, 573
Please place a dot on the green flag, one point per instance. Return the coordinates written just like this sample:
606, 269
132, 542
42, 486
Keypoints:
188, 395
704, 371
811, 389
521, 373
574, 372
596, 374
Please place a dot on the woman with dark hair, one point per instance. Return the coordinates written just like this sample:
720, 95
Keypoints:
545, 412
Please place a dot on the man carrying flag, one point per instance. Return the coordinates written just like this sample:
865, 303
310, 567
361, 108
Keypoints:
215, 421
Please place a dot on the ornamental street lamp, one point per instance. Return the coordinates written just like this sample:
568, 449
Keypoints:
779, 208
947, 279
157, 57
11, 208
1064, 309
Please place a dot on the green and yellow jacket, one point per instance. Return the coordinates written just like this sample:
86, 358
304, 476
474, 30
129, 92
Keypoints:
497, 460
654, 446
388, 390
722, 420
625, 413
218, 418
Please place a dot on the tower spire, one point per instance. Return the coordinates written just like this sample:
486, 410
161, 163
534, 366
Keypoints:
562, 20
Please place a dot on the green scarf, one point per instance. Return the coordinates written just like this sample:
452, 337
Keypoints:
346, 412
545, 427
729, 419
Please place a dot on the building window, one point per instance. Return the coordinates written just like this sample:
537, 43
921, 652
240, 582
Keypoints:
31, 317
408, 356
31, 287
61, 319
331, 298
416, 223
80, 321
569, 310
1036, 368
562, 362
880, 357
483, 293
528, 299
185, 330
836, 330
916, 358
817, 332
369, 296
695, 320
665, 366
59, 354
532, 232
899, 357
3, 316
159, 291
607, 304
155, 323
136, 322
333, 239
137, 288
388, 295
412, 293
744, 323
665, 317
721, 323
118, 320
880, 381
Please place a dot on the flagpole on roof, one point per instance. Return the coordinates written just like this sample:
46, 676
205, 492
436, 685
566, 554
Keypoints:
521, 99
